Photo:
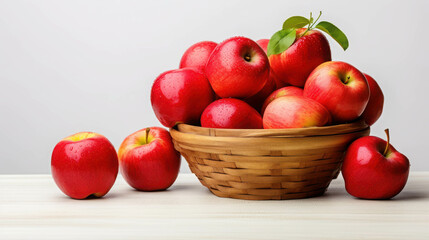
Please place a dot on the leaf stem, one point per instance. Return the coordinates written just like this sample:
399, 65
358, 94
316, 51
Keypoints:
311, 22
317, 19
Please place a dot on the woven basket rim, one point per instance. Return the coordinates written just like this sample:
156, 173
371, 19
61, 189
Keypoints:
357, 125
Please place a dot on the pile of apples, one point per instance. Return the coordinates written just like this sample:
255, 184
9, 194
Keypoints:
236, 84
288, 81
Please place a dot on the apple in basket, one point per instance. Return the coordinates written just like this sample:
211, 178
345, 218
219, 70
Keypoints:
298, 48
284, 91
196, 56
84, 164
180, 96
230, 113
374, 169
374, 108
238, 68
257, 100
264, 45
339, 87
295, 112
148, 160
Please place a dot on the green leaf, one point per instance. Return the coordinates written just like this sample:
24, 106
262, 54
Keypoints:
334, 32
281, 41
295, 22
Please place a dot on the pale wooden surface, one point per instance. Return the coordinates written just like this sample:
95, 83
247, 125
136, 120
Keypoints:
32, 207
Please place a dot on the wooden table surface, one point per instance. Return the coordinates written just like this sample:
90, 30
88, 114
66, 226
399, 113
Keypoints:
32, 207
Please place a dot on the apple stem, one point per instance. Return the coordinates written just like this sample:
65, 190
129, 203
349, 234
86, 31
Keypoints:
388, 141
347, 80
147, 133
247, 57
312, 23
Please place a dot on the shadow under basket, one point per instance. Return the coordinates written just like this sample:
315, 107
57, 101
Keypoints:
264, 164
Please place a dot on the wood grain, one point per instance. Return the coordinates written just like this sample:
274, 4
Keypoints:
32, 207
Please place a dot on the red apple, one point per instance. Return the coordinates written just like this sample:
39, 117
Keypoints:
282, 92
373, 169
180, 96
148, 160
197, 55
341, 88
294, 65
257, 100
84, 164
263, 43
295, 112
374, 108
237, 67
230, 113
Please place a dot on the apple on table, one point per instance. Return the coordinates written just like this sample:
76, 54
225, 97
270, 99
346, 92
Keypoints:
148, 160
374, 169
84, 164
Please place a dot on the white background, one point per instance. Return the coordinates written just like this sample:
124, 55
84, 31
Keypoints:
70, 66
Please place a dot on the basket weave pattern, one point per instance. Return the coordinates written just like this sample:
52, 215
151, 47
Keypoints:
263, 164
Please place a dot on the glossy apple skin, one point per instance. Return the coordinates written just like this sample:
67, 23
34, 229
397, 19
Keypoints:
85, 167
263, 43
295, 112
231, 113
294, 65
149, 165
374, 108
345, 101
180, 96
257, 100
238, 68
370, 175
282, 92
196, 56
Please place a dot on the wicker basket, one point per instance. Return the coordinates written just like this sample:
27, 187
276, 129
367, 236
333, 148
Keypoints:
263, 164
